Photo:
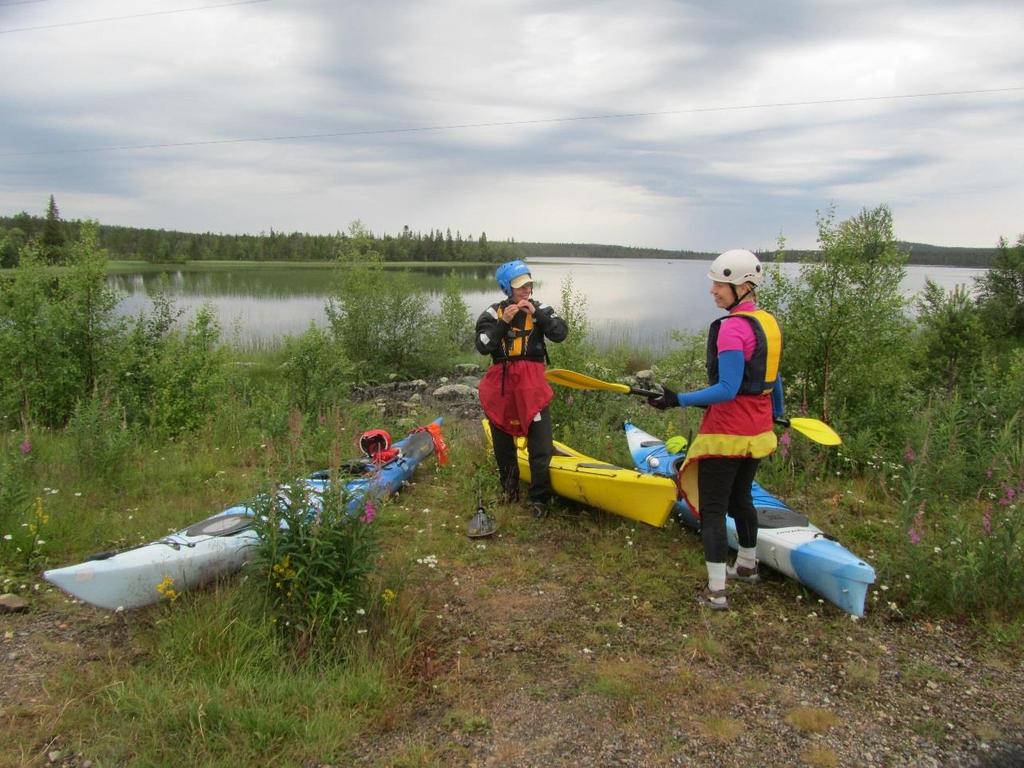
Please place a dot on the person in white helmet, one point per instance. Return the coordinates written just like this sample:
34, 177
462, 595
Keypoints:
742, 400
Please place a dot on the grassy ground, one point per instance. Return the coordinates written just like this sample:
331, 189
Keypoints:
569, 641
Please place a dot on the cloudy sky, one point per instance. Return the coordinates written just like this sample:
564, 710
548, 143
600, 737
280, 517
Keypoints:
661, 123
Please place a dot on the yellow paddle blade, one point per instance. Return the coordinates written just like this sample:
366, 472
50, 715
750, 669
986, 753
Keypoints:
575, 380
676, 444
816, 430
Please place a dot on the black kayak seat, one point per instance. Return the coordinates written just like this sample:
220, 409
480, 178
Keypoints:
774, 517
220, 525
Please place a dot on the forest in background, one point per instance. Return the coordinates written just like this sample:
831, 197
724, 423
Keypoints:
162, 246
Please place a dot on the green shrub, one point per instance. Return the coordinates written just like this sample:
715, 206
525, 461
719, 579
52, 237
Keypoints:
315, 371
58, 332
315, 555
842, 308
381, 322
454, 326
187, 377
577, 350
1001, 292
100, 438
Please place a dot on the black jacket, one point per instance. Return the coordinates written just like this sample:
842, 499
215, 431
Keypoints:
497, 338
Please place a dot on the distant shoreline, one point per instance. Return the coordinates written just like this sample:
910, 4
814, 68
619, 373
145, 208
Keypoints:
158, 246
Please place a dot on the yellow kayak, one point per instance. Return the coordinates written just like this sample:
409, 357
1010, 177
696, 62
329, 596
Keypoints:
625, 492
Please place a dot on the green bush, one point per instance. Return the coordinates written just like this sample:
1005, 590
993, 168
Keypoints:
577, 351
100, 438
187, 377
382, 323
842, 308
315, 371
454, 326
1001, 292
58, 331
315, 555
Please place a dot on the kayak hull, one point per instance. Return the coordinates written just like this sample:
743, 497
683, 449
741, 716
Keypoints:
625, 492
786, 540
190, 557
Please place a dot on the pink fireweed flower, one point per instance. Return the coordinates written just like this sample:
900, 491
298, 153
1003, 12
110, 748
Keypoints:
908, 455
369, 512
26, 446
785, 440
916, 527
1008, 494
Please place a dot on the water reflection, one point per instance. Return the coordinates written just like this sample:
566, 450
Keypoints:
636, 301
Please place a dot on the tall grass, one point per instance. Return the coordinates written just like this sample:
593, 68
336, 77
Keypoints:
219, 686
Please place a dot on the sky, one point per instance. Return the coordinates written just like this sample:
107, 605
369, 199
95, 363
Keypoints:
648, 123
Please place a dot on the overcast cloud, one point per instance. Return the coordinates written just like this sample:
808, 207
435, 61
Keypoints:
702, 174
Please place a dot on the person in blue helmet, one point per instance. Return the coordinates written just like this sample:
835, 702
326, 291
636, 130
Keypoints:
514, 393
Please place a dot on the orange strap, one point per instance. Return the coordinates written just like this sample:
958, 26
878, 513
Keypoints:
440, 447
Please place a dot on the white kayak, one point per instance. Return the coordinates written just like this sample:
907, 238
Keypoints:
786, 540
218, 545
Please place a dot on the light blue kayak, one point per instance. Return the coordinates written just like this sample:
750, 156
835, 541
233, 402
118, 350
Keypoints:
220, 544
786, 540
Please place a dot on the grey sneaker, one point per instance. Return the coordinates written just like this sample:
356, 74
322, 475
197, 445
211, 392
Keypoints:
742, 573
715, 600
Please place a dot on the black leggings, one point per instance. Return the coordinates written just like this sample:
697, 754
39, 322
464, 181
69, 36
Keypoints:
724, 486
538, 445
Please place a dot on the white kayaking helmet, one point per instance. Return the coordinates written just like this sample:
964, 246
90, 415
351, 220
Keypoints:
737, 267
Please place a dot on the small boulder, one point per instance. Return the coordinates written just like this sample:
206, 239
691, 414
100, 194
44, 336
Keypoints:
13, 604
454, 392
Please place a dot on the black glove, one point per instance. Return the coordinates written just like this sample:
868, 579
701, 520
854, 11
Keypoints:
667, 399
541, 316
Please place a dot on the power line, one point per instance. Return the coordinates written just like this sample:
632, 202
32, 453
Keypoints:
131, 16
509, 123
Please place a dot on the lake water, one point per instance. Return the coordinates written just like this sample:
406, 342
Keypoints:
635, 301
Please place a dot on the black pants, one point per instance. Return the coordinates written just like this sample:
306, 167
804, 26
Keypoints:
539, 446
725, 488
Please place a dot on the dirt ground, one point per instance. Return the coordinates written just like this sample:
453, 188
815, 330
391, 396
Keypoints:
540, 669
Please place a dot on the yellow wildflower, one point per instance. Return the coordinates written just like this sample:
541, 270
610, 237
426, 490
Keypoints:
167, 590
388, 596
41, 515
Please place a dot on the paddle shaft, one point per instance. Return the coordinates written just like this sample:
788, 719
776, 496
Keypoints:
781, 421
815, 430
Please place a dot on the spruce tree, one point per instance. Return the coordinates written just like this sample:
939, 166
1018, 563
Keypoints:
53, 237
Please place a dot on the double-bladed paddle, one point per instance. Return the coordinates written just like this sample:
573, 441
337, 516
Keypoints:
814, 429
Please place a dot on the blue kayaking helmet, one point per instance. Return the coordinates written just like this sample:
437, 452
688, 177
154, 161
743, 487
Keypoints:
510, 275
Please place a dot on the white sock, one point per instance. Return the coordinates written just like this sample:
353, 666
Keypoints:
716, 576
747, 557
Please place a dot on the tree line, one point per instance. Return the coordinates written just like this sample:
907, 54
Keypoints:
162, 246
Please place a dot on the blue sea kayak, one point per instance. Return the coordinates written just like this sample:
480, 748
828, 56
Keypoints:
220, 544
786, 540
